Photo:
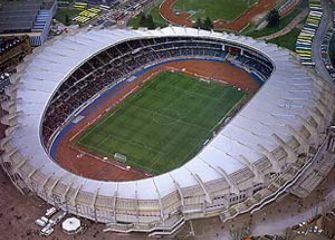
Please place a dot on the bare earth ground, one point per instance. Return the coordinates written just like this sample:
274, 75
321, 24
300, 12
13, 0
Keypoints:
183, 19
18, 213
78, 161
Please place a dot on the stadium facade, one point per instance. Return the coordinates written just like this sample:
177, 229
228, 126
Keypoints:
257, 156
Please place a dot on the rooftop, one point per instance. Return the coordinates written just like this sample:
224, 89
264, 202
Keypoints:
19, 15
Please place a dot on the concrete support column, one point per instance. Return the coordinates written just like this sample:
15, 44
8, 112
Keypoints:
315, 113
11, 129
259, 177
273, 160
312, 130
292, 156
6, 105
302, 141
321, 107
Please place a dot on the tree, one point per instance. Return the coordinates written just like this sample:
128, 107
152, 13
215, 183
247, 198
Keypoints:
150, 22
208, 24
147, 21
273, 18
67, 20
198, 23
142, 19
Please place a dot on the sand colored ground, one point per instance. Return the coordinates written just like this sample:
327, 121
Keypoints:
183, 19
82, 163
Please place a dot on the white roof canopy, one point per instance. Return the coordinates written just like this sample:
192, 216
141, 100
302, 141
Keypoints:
284, 98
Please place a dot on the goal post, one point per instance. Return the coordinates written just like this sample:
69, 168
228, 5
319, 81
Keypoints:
120, 157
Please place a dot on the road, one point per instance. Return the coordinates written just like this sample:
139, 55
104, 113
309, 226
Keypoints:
326, 21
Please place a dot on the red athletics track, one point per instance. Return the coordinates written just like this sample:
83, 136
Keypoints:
183, 19
78, 161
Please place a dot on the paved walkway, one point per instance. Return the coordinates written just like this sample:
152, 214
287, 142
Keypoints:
293, 24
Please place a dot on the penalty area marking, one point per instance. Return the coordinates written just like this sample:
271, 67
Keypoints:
157, 117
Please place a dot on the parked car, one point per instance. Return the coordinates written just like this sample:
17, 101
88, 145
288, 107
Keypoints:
40, 223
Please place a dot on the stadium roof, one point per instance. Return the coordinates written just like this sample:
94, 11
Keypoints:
273, 115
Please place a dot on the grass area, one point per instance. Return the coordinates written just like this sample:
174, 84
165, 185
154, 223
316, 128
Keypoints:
164, 123
287, 41
214, 9
252, 32
158, 20
62, 12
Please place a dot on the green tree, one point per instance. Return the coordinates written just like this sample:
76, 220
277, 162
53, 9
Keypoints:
273, 18
208, 24
150, 22
198, 23
142, 19
67, 20
147, 21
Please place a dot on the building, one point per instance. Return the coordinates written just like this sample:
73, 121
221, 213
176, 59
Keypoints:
257, 156
12, 52
32, 18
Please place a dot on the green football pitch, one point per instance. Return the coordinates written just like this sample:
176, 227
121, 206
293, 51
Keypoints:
164, 123
227, 10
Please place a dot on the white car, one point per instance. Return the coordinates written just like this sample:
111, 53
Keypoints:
44, 219
57, 218
50, 211
47, 230
40, 223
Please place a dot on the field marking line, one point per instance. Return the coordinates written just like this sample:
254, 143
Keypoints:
188, 154
98, 150
209, 133
131, 142
231, 109
161, 123
155, 159
158, 154
83, 129
94, 126
114, 163
103, 140
167, 116
193, 94
138, 165
198, 146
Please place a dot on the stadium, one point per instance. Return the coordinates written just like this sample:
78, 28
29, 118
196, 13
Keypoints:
262, 142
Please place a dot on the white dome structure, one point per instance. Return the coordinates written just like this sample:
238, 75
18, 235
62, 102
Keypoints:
71, 225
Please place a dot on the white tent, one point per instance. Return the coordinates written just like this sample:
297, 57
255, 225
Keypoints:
71, 225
